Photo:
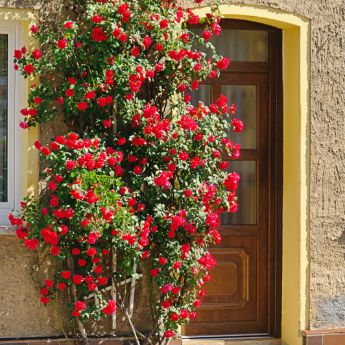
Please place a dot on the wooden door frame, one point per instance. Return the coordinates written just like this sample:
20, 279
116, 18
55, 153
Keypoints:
273, 70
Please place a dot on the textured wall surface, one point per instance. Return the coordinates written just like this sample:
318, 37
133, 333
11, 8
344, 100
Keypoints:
20, 311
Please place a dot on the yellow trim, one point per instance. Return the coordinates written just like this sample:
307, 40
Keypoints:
32, 157
295, 296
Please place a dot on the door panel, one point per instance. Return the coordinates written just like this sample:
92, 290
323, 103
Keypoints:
242, 296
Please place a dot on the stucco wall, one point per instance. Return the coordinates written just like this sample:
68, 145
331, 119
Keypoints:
22, 315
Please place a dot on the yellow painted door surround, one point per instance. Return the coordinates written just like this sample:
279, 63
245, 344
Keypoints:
295, 265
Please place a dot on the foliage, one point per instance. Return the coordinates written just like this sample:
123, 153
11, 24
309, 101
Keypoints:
144, 174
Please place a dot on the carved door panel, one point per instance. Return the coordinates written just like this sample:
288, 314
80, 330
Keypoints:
243, 297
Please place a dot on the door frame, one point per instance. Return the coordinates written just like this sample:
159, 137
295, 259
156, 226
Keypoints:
267, 76
296, 120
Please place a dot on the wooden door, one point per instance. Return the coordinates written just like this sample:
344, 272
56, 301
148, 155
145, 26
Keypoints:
243, 297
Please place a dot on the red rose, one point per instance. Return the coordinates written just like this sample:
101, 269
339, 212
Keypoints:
197, 303
81, 262
231, 182
45, 300
68, 25
62, 286
49, 283
70, 92
97, 18
159, 47
29, 69
82, 106
44, 211
98, 35
177, 265
183, 156
107, 123
166, 288
75, 251
31, 244
207, 261
66, 275
237, 125
166, 304
90, 95
36, 54
223, 63
175, 290
92, 286
54, 146
34, 29
70, 165
163, 24
169, 333
174, 317
206, 35
62, 43
21, 234
44, 291
123, 37
135, 51
154, 272
75, 313
93, 237
17, 54
55, 251
110, 308
147, 41
102, 280
79, 306
98, 270
77, 279
162, 261
192, 315
213, 74
91, 252
184, 314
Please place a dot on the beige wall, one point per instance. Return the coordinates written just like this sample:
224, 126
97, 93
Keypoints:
20, 312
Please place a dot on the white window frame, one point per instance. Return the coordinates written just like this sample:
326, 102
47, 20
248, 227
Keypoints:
16, 135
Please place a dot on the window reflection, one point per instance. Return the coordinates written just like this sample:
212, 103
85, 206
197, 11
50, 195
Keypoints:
243, 45
244, 97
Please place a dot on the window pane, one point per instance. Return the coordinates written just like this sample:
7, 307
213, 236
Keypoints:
203, 94
243, 45
3, 116
244, 97
246, 193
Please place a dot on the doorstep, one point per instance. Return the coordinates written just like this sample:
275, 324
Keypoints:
128, 341
92, 341
254, 341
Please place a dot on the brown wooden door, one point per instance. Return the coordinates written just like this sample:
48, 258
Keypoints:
243, 297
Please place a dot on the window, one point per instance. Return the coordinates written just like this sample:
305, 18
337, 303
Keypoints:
11, 97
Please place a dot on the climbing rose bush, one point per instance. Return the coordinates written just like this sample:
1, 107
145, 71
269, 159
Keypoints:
144, 174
